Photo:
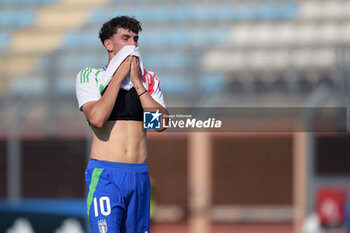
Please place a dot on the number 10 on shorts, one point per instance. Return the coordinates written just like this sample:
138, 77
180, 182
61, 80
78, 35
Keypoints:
104, 204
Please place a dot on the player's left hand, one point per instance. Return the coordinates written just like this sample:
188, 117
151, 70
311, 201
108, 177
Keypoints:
135, 71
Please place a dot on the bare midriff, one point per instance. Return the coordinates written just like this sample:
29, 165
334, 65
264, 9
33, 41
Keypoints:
119, 141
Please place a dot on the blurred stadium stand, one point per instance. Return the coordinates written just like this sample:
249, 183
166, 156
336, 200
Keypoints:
224, 53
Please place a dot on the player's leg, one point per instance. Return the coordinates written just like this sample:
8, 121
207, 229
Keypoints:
138, 204
104, 203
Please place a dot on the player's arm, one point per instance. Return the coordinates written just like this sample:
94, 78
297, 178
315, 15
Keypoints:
98, 112
147, 101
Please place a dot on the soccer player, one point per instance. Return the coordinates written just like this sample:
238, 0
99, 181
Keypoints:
118, 185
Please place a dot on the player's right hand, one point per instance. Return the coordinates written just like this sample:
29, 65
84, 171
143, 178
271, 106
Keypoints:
123, 70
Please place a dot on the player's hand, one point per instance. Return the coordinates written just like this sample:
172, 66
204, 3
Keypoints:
123, 70
135, 72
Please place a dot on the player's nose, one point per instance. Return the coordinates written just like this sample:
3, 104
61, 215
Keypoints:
132, 42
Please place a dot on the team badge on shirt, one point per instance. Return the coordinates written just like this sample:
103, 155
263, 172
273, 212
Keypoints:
102, 226
151, 120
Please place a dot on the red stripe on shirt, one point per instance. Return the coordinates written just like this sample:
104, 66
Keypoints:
144, 76
151, 84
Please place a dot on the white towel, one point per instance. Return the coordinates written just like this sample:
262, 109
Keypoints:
115, 63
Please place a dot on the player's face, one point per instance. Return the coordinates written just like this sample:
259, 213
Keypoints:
121, 38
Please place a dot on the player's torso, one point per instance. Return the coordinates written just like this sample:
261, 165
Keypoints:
122, 138
120, 141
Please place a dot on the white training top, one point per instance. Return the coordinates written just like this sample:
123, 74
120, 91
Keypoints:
86, 85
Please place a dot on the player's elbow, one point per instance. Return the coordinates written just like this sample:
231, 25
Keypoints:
97, 121
94, 114
164, 120
161, 129
97, 124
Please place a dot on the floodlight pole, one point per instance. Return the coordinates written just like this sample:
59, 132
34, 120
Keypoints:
304, 160
14, 174
302, 143
199, 181
14, 153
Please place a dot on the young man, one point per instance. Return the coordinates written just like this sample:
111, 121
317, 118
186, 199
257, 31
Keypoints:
118, 185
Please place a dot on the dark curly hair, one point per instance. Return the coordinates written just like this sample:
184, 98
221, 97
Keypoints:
110, 27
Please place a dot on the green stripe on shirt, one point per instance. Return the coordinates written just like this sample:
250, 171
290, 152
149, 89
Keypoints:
96, 74
87, 75
82, 75
101, 87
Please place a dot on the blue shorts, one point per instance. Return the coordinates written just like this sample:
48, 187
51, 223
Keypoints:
118, 197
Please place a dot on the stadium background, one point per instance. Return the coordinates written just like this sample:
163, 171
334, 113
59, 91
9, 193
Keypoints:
225, 53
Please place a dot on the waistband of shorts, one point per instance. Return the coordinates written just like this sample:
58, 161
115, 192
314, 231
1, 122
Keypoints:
93, 163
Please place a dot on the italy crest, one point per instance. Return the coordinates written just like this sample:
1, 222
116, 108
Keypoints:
102, 225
